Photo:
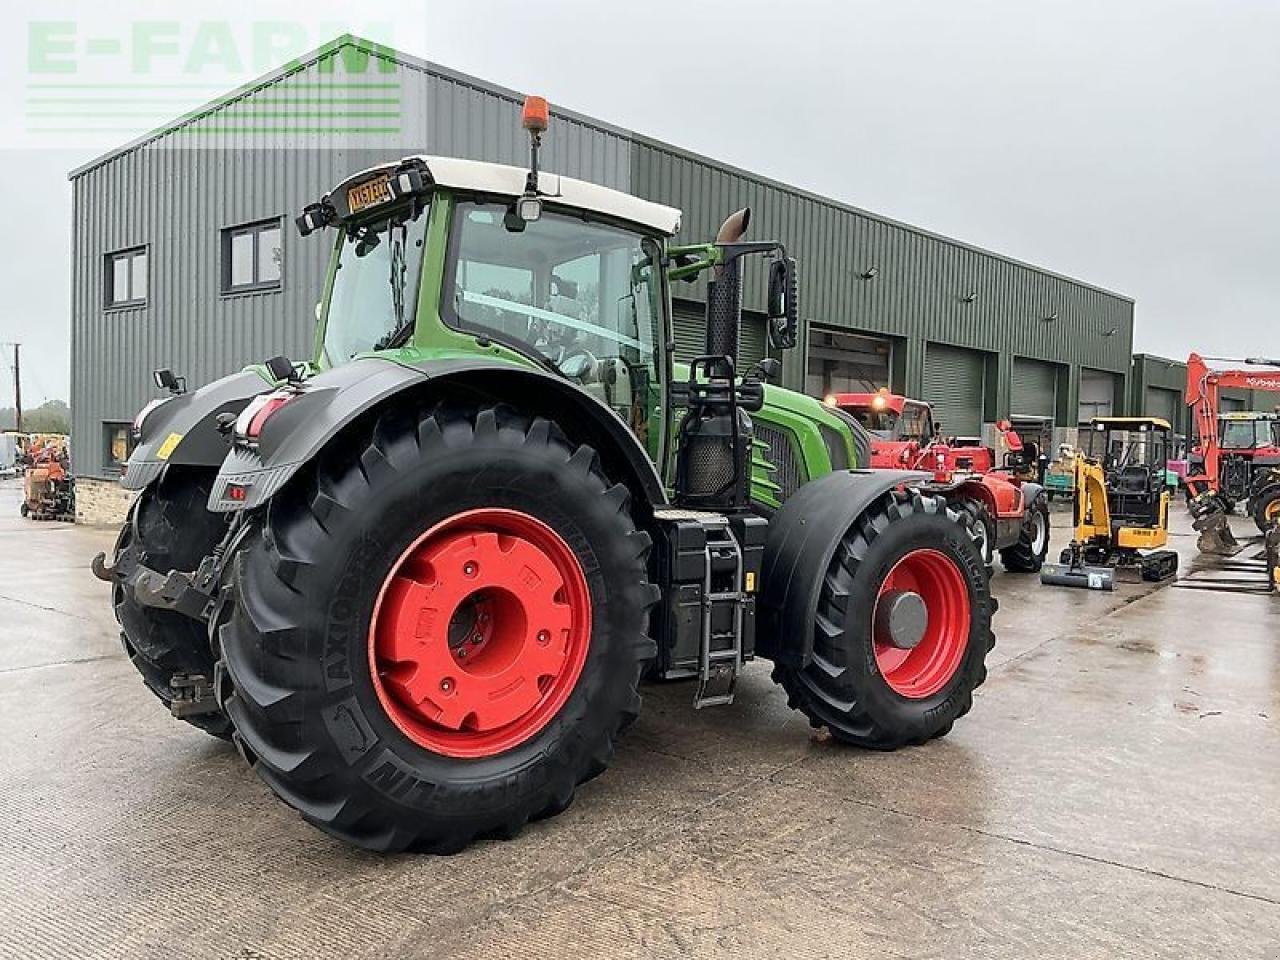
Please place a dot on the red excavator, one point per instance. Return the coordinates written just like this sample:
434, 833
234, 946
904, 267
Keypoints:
1010, 509
1218, 474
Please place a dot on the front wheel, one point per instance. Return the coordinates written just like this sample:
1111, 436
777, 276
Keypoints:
903, 628
1266, 509
439, 632
1028, 554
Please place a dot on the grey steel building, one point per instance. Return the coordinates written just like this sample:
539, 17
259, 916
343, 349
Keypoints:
184, 254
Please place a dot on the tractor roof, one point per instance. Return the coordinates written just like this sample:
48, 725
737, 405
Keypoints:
1131, 423
506, 181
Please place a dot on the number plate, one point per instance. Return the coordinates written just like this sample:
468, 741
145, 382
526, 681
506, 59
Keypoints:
369, 194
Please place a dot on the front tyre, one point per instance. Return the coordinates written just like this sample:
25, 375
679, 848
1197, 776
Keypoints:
440, 630
903, 628
1265, 509
1028, 554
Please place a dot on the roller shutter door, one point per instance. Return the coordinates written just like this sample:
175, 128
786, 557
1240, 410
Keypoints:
841, 361
953, 383
689, 326
1097, 395
1163, 403
1034, 390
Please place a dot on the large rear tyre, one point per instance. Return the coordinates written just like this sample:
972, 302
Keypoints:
903, 628
1265, 509
168, 528
439, 631
1028, 554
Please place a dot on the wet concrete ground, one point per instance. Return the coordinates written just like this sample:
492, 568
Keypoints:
1115, 793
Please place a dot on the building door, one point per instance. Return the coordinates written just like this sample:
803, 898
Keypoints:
1166, 404
954, 381
1034, 389
1097, 395
844, 362
689, 327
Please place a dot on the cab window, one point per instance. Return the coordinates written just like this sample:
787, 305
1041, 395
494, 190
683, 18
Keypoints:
580, 297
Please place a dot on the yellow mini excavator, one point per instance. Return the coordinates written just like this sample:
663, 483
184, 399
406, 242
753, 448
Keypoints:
1121, 507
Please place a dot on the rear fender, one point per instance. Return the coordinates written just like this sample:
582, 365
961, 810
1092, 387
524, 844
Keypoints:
803, 537
183, 430
330, 402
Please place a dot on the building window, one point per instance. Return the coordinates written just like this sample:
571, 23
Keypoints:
117, 444
252, 257
127, 278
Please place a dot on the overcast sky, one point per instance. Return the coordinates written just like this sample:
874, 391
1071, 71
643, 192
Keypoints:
1134, 144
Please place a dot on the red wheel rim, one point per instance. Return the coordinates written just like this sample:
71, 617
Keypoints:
479, 633
927, 667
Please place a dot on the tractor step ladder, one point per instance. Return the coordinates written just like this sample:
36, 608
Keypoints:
720, 652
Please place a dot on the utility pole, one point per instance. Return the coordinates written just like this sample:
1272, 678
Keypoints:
17, 386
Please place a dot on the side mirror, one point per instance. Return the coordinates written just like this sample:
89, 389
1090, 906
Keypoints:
783, 306
281, 368
164, 379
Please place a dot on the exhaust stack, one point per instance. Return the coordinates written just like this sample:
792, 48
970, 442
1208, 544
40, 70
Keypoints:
724, 297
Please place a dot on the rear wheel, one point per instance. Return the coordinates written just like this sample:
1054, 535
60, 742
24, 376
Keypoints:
169, 528
1266, 509
440, 630
1027, 555
903, 628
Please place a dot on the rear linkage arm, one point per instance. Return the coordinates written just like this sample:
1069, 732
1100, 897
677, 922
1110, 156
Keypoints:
189, 593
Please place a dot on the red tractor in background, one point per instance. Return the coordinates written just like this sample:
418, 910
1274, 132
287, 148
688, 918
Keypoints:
1220, 473
1010, 505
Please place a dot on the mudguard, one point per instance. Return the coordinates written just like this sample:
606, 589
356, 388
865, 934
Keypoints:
330, 401
184, 429
803, 537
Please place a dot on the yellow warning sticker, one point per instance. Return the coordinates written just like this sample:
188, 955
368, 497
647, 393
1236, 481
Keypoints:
751, 582
170, 444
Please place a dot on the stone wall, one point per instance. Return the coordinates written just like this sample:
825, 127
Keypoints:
101, 502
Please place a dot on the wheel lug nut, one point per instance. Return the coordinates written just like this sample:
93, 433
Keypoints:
446, 685
544, 637
469, 568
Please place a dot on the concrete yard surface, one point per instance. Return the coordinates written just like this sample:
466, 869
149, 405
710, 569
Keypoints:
1114, 793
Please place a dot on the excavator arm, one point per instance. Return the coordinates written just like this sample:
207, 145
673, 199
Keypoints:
1204, 384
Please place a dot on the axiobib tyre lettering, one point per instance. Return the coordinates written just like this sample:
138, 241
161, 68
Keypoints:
297, 647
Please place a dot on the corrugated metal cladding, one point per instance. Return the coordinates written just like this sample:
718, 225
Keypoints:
954, 382
230, 164
1033, 390
689, 330
924, 286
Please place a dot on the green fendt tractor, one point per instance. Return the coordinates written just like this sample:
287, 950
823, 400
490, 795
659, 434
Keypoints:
418, 579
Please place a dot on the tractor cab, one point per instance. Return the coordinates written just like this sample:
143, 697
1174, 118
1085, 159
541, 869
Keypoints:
899, 427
